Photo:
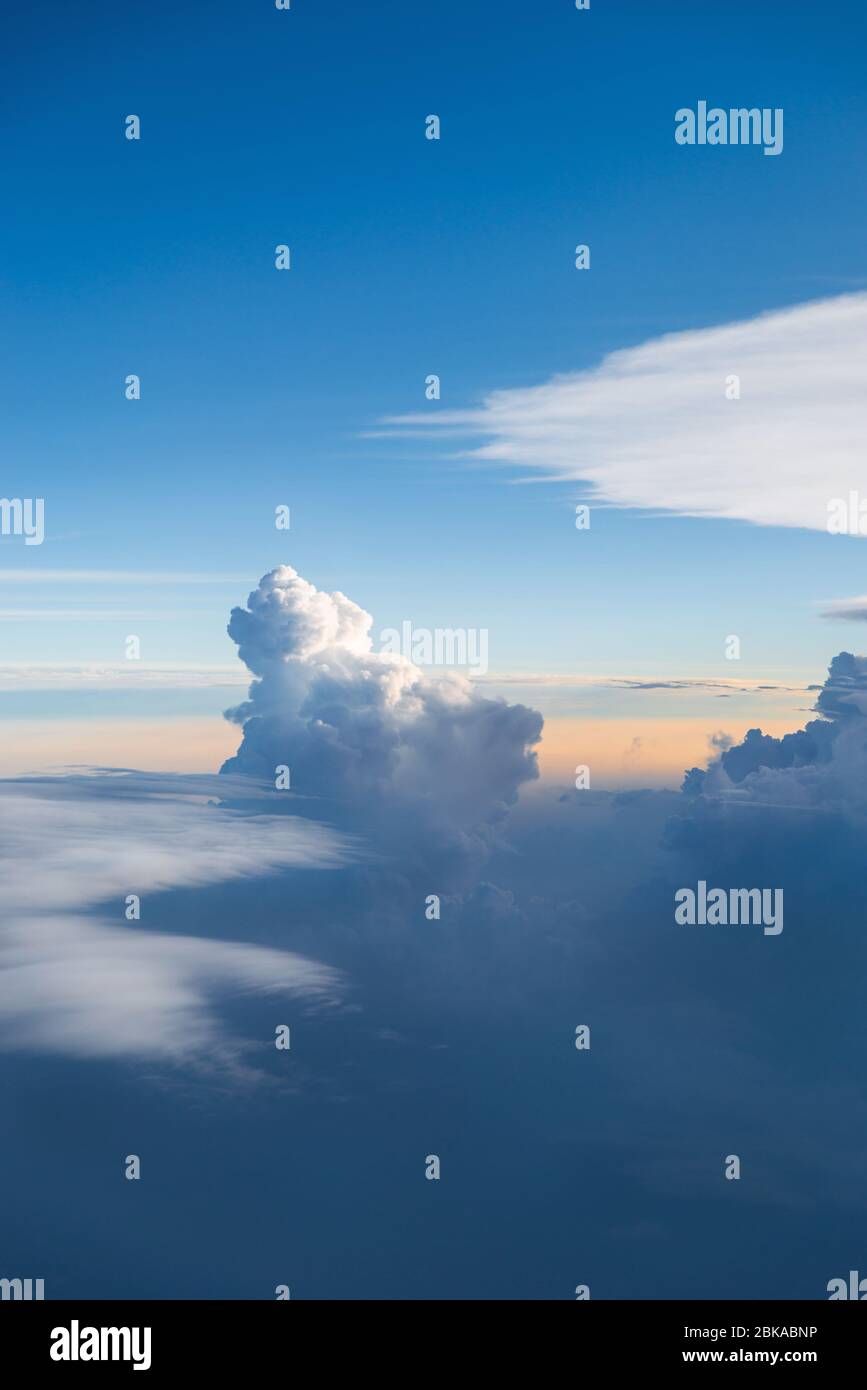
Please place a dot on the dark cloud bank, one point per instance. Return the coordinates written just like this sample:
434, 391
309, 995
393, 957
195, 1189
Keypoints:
456, 1036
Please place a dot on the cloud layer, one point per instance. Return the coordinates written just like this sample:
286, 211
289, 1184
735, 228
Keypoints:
652, 427
89, 982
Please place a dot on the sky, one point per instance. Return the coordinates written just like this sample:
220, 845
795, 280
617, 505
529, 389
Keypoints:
607, 647
409, 257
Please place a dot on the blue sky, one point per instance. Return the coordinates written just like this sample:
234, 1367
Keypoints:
409, 257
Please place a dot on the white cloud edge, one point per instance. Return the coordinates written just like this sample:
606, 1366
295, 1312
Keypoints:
650, 427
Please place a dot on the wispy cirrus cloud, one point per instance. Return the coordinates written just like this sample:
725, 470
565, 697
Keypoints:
9, 575
79, 978
651, 426
849, 610
113, 675
576, 682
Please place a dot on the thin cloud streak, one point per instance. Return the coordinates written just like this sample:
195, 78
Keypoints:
49, 576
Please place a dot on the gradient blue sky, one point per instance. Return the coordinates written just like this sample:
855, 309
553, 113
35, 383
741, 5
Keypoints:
409, 257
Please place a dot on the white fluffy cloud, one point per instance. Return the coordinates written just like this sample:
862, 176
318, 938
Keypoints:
651, 426
94, 984
372, 736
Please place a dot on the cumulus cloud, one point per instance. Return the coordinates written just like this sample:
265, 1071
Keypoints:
823, 765
75, 975
421, 766
651, 426
371, 738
